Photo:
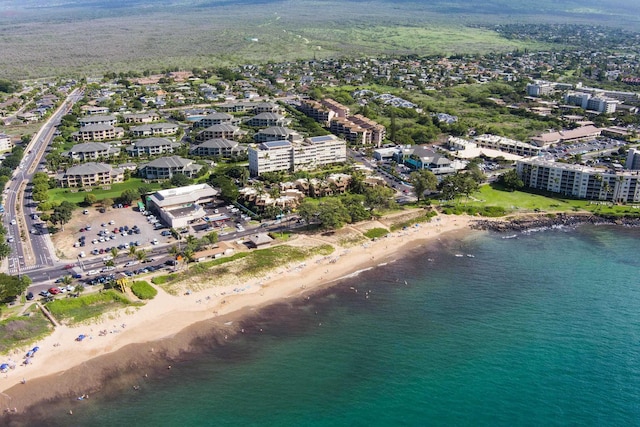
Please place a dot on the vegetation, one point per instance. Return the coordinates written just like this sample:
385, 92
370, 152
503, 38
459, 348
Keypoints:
12, 286
417, 220
115, 191
22, 330
375, 233
87, 306
143, 290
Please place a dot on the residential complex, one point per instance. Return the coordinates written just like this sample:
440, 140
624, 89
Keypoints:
167, 167
284, 155
580, 181
92, 151
5, 142
90, 175
218, 147
151, 147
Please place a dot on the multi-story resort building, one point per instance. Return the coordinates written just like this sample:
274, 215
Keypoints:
98, 132
97, 120
580, 181
90, 175
355, 129
277, 133
167, 167
92, 151
286, 156
214, 119
141, 118
218, 147
224, 130
268, 119
154, 129
151, 147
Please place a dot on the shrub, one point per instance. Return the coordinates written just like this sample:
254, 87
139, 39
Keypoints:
375, 233
143, 290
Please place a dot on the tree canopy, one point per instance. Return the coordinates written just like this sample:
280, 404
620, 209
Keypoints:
12, 286
422, 180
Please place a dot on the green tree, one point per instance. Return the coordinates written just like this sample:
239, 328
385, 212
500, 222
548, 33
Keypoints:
422, 180
141, 255
12, 286
332, 214
90, 199
128, 196
510, 180
212, 237
180, 180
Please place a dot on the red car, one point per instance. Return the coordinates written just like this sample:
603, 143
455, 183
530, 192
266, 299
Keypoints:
68, 266
54, 291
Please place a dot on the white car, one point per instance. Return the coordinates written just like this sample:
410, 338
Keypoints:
13, 222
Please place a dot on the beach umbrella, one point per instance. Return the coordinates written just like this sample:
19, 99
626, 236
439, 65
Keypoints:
36, 348
30, 353
80, 337
4, 367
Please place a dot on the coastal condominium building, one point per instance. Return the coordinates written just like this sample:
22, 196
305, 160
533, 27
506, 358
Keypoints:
284, 156
580, 181
89, 175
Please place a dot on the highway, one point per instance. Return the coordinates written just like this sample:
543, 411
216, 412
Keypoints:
31, 246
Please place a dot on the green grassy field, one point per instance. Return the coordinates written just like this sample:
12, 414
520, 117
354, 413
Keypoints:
523, 202
62, 194
86, 307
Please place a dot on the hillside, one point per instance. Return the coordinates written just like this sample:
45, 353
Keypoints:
83, 37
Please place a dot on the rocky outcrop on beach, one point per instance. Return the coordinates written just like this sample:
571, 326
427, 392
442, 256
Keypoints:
525, 223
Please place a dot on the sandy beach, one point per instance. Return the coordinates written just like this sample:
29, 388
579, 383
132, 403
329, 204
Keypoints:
167, 325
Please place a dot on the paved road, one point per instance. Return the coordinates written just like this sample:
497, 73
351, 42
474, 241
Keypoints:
31, 250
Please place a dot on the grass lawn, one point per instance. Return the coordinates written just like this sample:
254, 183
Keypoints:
88, 306
73, 196
520, 201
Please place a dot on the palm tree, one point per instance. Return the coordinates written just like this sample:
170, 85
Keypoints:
132, 252
141, 255
114, 253
67, 280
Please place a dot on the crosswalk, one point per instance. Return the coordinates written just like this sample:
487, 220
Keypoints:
15, 270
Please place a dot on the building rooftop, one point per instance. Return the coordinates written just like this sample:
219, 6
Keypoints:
275, 144
89, 169
152, 142
89, 147
182, 195
169, 162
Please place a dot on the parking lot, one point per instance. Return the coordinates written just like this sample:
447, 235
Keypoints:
94, 233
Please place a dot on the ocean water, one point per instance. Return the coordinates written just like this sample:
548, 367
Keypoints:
542, 329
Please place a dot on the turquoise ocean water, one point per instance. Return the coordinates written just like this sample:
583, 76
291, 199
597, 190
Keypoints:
542, 329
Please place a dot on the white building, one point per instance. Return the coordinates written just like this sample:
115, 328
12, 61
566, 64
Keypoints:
182, 205
284, 156
5, 142
580, 181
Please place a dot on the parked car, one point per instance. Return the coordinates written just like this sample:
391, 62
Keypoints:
54, 291
29, 296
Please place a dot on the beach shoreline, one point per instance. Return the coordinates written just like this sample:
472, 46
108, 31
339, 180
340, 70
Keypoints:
152, 336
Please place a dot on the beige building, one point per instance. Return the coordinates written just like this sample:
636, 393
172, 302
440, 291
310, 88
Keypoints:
90, 175
98, 132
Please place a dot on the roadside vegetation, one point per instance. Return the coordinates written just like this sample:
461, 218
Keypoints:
85, 307
143, 290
